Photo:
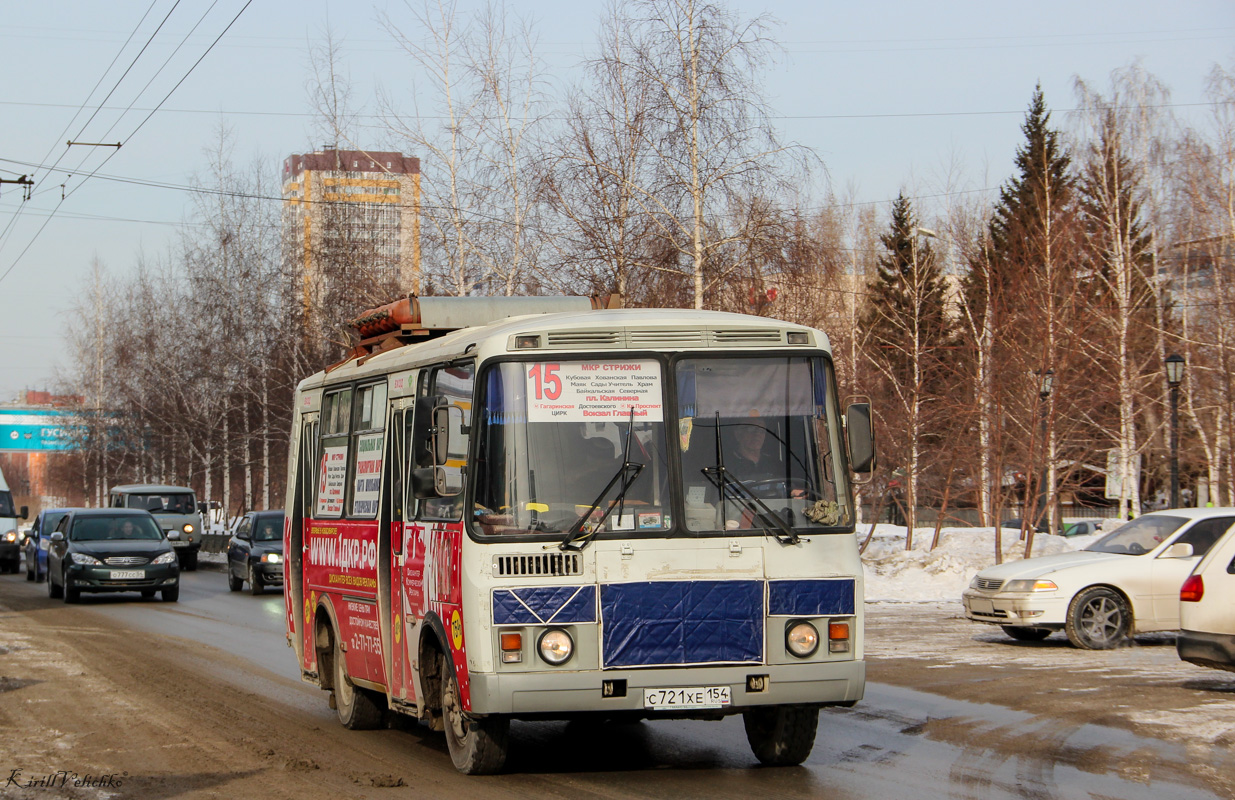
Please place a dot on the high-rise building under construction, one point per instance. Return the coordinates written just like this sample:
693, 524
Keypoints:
352, 209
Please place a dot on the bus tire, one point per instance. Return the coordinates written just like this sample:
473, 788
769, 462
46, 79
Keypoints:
189, 562
355, 707
781, 736
477, 746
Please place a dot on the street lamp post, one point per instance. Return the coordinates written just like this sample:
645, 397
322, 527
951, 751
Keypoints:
1046, 383
1174, 376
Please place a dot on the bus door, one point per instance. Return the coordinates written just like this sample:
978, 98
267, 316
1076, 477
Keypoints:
402, 506
298, 604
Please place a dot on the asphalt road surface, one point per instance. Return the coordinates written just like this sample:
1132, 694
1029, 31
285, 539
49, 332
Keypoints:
136, 698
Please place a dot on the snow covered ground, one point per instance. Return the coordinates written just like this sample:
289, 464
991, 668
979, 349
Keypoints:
922, 575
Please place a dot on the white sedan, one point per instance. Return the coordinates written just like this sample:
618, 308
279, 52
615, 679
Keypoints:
1125, 583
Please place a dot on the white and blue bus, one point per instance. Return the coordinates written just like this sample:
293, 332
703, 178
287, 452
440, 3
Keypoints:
538, 508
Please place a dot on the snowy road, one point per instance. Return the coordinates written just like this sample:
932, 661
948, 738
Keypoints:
951, 711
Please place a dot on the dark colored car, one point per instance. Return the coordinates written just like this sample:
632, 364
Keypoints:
38, 540
255, 552
111, 550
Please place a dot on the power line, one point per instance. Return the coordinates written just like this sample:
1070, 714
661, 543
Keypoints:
133, 133
555, 118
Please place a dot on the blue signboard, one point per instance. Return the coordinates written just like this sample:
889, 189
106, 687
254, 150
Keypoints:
37, 429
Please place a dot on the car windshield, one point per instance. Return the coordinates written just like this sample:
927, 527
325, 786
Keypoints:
180, 503
268, 529
6, 504
96, 529
1138, 536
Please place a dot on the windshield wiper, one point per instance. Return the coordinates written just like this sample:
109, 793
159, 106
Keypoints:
627, 474
723, 480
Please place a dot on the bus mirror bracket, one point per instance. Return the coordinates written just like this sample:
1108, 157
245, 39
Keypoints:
860, 436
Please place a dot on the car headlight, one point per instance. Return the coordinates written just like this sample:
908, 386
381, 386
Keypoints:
1030, 585
271, 558
188, 527
973, 584
555, 646
166, 558
801, 639
82, 558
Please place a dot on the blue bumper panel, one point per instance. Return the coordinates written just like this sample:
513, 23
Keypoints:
811, 598
682, 622
544, 605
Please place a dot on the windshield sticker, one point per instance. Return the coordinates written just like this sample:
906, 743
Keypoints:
332, 481
593, 391
368, 483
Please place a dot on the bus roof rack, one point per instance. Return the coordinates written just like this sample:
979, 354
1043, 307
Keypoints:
415, 319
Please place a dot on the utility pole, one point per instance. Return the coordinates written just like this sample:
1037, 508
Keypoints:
24, 181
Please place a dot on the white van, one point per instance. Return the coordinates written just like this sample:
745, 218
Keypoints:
1207, 609
10, 537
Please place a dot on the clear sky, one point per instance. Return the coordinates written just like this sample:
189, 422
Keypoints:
890, 95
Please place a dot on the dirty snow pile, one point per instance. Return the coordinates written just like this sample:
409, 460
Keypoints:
922, 575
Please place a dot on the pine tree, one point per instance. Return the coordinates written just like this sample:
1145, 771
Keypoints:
908, 333
1021, 308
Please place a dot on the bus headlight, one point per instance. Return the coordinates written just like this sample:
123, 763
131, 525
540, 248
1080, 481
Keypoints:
188, 527
555, 646
801, 639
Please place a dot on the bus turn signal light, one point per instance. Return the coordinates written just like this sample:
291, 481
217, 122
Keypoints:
838, 637
512, 647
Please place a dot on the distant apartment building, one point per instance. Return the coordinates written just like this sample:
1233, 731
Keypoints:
355, 209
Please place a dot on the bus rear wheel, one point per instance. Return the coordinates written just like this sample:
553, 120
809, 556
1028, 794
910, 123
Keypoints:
477, 746
355, 707
781, 736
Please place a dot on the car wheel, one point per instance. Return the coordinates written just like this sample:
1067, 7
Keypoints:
53, 591
477, 746
171, 594
781, 736
1023, 634
29, 569
233, 583
256, 586
355, 706
71, 593
1098, 619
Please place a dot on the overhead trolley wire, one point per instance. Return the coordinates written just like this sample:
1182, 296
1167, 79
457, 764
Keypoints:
133, 133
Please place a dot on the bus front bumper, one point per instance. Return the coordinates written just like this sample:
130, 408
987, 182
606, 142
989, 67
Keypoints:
561, 692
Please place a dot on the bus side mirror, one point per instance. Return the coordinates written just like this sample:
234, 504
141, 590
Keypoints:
430, 482
860, 435
203, 508
25, 512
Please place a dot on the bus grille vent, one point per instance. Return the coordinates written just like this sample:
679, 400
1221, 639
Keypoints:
748, 336
540, 565
563, 340
654, 338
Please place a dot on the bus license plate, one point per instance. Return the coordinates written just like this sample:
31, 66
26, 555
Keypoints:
127, 574
689, 697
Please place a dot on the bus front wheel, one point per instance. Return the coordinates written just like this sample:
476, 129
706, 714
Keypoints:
781, 736
477, 746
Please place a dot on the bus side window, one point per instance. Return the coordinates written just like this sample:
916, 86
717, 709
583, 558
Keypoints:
456, 383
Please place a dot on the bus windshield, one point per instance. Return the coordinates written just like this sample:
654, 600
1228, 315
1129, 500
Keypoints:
759, 439
6, 504
588, 443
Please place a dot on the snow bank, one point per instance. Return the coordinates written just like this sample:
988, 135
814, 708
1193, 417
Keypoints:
922, 575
